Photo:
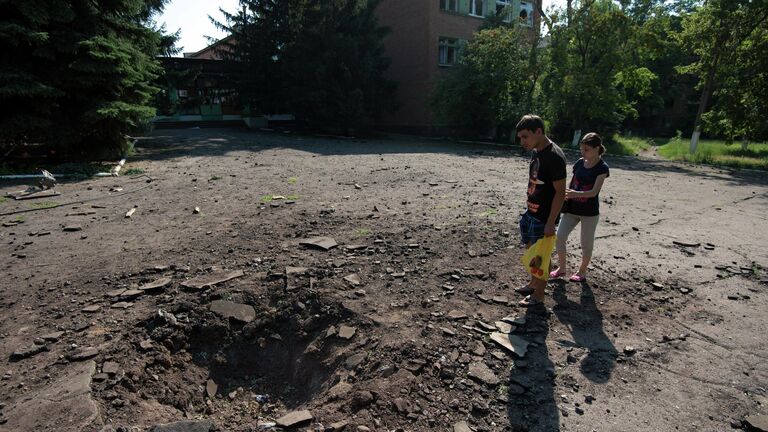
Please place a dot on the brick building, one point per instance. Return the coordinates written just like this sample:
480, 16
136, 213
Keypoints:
423, 43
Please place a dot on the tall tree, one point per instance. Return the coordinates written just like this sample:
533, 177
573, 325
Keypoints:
591, 80
77, 74
490, 87
322, 61
720, 33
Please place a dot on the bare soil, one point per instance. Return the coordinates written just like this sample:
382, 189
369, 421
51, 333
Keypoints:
667, 334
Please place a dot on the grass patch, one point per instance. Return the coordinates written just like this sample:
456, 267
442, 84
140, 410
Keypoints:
293, 180
628, 146
292, 197
362, 232
133, 171
717, 152
44, 204
3, 200
488, 213
265, 199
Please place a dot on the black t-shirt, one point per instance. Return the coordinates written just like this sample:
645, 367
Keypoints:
583, 180
547, 166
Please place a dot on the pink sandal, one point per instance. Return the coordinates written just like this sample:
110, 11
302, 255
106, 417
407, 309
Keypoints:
556, 274
577, 278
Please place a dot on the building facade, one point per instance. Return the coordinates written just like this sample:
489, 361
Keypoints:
423, 43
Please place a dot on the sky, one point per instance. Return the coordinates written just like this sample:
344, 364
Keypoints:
191, 16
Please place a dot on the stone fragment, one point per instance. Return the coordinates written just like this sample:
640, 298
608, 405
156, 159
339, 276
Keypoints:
461, 426
512, 343
83, 354
185, 426
353, 279
239, 312
346, 332
110, 368
27, 352
758, 422
209, 280
91, 309
211, 388
294, 419
324, 243
482, 373
156, 285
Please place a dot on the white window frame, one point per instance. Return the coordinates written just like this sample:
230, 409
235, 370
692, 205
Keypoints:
476, 8
500, 5
447, 51
529, 21
449, 5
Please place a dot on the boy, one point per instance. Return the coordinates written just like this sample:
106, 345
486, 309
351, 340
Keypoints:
546, 193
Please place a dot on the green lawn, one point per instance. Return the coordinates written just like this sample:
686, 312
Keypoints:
710, 152
628, 146
717, 152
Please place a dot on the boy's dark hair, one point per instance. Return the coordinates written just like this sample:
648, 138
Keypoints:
593, 140
530, 122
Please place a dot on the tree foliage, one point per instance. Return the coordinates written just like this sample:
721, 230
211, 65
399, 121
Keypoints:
491, 86
321, 60
729, 40
77, 74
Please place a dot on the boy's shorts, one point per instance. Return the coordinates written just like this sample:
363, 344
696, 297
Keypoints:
531, 229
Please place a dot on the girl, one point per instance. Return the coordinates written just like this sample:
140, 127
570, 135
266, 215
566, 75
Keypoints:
582, 205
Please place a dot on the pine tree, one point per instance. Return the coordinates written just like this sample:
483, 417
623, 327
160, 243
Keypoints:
77, 74
321, 60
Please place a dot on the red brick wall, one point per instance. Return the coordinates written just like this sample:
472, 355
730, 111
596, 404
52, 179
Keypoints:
412, 45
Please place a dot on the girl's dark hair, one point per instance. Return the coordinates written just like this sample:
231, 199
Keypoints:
593, 140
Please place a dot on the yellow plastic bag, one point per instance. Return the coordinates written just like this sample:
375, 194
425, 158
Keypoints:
536, 258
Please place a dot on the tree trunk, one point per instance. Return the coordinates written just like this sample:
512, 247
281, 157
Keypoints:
705, 93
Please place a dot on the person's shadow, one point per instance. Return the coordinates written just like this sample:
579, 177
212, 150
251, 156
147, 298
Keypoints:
593, 350
531, 402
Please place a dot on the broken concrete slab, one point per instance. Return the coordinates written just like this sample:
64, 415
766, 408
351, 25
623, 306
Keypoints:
236, 311
156, 285
66, 402
33, 193
295, 270
758, 422
512, 343
455, 315
185, 426
347, 332
211, 388
294, 419
482, 373
461, 426
324, 243
91, 309
27, 352
83, 354
352, 279
110, 368
504, 327
209, 280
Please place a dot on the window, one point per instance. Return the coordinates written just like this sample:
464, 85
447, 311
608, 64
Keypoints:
449, 5
447, 51
476, 7
501, 5
526, 14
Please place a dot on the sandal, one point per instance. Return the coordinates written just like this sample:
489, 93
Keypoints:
577, 278
529, 301
524, 290
556, 274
